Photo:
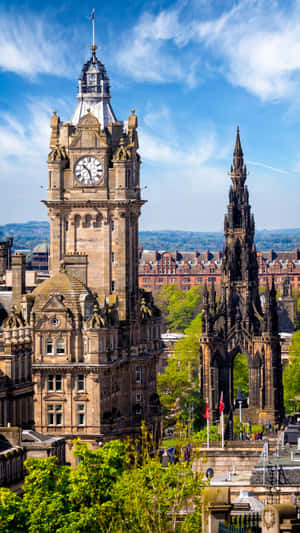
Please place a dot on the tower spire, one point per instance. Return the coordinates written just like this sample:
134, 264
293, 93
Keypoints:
93, 88
238, 159
238, 169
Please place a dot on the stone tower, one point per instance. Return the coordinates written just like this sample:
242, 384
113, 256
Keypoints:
95, 335
94, 196
238, 324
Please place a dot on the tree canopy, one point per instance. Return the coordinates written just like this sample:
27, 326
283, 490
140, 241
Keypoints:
112, 489
291, 374
240, 374
178, 307
178, 386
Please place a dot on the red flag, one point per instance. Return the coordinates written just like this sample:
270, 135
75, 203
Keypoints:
206, 414
221, 405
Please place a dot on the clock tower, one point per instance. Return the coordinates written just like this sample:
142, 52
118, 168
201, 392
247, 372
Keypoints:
94, 197
95, 334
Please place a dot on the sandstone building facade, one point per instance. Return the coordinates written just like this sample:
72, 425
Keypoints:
95, 335
238, 324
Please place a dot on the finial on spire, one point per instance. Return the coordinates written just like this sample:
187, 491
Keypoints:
92, 19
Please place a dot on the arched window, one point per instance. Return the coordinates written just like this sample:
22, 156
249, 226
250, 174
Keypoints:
49, 346
60, 346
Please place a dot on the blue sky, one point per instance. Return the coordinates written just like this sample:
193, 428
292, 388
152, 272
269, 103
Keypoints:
193, 70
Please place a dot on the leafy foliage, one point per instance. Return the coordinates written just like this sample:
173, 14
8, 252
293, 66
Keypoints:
12, 512
240, 374
291, 374
113, 489
178, 385
178, 307
201, 436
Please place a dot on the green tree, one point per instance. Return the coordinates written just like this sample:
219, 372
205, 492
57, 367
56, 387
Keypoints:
114, 488
12, 513
240, 374
178, 386
291, 374
178, 307
296, 294
151, 496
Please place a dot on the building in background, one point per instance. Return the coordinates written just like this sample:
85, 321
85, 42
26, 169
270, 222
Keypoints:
190, 269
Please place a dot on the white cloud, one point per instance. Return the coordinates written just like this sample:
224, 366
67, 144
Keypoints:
255, 44
30, 46
24, 146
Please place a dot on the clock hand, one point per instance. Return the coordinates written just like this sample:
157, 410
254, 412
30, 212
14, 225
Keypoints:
86, 168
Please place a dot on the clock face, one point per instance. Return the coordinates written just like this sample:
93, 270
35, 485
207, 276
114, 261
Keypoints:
88, 170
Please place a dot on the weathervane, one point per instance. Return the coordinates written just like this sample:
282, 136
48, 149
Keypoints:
92, 18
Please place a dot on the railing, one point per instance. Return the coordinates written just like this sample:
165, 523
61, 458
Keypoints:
241, 524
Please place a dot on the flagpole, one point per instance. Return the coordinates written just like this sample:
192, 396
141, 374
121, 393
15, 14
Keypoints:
207, 433
222, 420
93, 21
222, 429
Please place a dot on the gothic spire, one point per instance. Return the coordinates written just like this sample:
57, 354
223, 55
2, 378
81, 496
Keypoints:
238, 159
238, 169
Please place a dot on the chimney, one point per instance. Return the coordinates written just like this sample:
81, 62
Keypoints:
271, 255
297, 254
76, 265
18, 262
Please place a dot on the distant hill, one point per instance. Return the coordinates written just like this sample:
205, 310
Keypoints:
29, 234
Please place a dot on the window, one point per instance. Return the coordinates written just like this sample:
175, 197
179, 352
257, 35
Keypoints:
199, 280
138, 374
60, 346
53, 322
146, 280
54, 414
139, 397
112, 257
66, 225
112, 225
80, 414
138, 409
112, 286
50, 384
58, 383
54, 383
49, 346
80, 383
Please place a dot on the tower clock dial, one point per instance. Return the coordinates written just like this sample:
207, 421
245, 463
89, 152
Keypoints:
88, 170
